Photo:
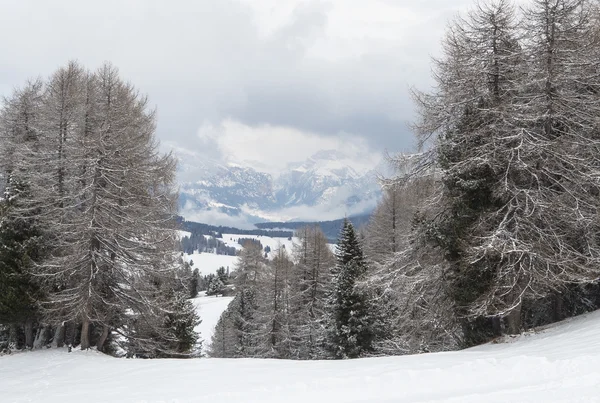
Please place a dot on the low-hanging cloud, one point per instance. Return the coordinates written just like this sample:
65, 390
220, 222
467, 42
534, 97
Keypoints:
324, 67
271, 149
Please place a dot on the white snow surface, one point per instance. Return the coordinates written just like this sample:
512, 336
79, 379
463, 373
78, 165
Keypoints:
183, 234
208, 263
210, 310
556, 365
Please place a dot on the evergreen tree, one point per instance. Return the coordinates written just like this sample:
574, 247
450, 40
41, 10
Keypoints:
181, 322
21, 243
349, 328
23, 238
215, 286
225, 339
223, 275
195, 283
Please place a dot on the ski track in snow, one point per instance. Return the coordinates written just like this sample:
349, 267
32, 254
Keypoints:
560, 364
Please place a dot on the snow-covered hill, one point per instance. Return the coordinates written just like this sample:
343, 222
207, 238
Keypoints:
328, 185
555, 365
208, 263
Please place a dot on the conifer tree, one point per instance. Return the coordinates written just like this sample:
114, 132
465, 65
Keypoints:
309, 287
180, 322
82, 148
515, 113
239, 332
21, 244
349, 320
225, 339
215, 286
195, 283
274, 306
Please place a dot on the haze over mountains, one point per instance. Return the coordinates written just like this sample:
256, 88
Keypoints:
328, 185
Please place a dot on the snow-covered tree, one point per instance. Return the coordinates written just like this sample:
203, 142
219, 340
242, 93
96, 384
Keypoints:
180, 323
516, 120
22, 240
349, 332
215, 286
309, 287
194, 283
239, 333
83, 147
274, 306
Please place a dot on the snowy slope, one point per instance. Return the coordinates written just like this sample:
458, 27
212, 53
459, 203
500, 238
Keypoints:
208, 263
558, 365
210, 310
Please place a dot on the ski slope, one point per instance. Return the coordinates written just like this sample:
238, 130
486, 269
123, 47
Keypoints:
557, 365
209, 309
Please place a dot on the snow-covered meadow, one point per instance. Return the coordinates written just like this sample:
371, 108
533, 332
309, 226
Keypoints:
208, 263
559, 364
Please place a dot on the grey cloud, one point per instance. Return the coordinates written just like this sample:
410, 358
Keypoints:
208, 60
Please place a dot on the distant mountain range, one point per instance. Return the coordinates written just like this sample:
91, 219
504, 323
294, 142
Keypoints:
326, 186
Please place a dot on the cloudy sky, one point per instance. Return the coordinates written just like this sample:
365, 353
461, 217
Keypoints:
242, 79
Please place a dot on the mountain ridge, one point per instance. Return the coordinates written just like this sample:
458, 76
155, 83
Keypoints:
325, 186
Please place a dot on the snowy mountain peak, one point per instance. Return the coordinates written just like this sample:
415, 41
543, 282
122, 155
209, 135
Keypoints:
327, 185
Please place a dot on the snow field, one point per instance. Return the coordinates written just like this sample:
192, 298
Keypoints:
183, 234
557, 365
208, 263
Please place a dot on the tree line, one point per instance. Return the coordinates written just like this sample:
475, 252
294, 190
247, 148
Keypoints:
88, 246
305, 306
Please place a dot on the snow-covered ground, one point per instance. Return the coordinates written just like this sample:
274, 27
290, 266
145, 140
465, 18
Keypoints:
557, 365
209, 309
184, 234
208, 263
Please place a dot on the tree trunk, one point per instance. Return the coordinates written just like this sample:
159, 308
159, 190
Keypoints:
59, 336
69, 333
12, 337
558, 307
85, 334
497, 326
103, 337
40, 337
29, 333
513, 320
